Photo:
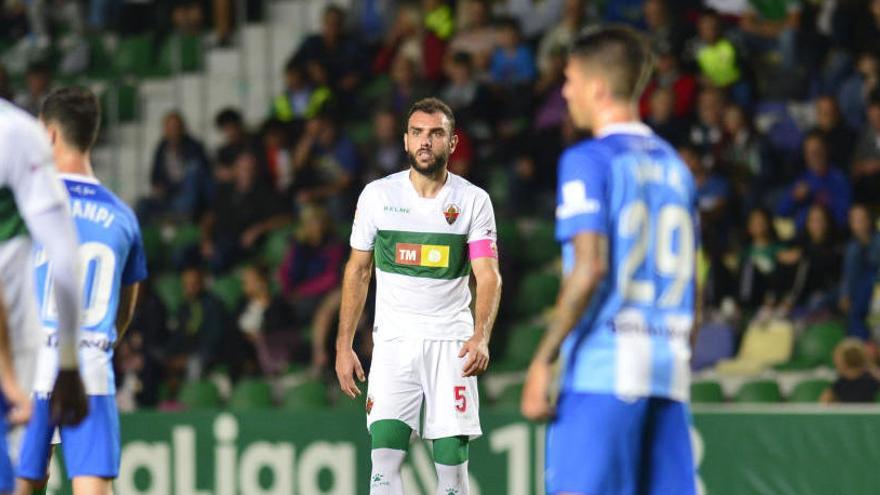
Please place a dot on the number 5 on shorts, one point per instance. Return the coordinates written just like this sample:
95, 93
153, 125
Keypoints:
460, 399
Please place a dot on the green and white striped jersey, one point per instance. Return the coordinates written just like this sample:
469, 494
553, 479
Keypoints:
420, 247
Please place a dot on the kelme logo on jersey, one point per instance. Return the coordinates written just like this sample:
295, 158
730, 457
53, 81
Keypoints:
421, 255
451, 212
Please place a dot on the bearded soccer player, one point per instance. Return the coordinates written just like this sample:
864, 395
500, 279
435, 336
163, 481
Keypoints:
626, 216
33, 206
113, 264
427, 230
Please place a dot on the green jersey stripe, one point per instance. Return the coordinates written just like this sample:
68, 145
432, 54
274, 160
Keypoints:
422, 254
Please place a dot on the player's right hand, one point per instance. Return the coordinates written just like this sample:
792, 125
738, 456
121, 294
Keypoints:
536, 392
348, 364
68, 404
20, 405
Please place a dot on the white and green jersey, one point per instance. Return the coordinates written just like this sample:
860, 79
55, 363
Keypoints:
421, 250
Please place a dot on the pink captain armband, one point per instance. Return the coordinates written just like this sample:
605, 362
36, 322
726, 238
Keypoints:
484, 248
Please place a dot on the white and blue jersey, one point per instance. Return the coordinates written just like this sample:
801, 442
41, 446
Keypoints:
112, 256
630, 186
622, 423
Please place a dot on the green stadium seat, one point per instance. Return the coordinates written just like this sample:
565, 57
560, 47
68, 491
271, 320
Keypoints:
100, 59
153, 247
706, 393
809, 390
541, 247
520, 348
170, 290
537, 292
251, 394
509, 245
189, 50
126, 100
200, 395
134, 56
816, 346
276, 246
313, 395
759, 391
186, 235
229, 290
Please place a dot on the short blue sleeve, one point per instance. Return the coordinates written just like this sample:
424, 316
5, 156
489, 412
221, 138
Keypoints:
136, 264
581, 204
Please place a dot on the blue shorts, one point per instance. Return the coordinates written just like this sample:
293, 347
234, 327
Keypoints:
7, 476
601, 445
90, 449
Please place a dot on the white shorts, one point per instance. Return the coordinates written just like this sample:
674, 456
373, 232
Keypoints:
407, 371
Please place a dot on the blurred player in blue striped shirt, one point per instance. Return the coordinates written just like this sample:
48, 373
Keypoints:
626, 217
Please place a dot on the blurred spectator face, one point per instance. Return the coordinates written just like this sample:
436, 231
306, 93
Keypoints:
710, 106
429, 141
758, 225
868, 66
317, 73
666, 63
193, 283
874, 115
708, 28
331, 27
850, 357
734, 119
655, 14
827, 115
245, 171
253, 282
385, 127
662, 104
574, 10
37, 82
314, 225
817, 223
459, 68
875, 10
476, 14
173, 128
326, 132
860, 222
815, 155
403, 72
508, 37
294, 79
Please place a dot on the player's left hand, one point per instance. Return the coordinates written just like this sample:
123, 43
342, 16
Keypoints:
68, 404
477, 351
535, 403
20, 405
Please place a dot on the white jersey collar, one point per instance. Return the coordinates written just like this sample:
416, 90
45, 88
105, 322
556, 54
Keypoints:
633, 127
88, 179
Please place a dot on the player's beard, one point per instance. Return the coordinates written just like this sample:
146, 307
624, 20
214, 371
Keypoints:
433, 167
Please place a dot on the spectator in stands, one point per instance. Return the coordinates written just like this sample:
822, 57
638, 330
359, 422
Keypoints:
662, 28
706, 132
325, 165
533, 16
819, 184
144, 348
5, 86
867, 28
866, 159
384, 154
839, 138
713, 196
856, 90
181, 175
235, 137
301, 98
198, 341
266, 324
339, 53
406, 36
243, 211
38, 81
861, 266
856, 381
717, 58
438, 19
772, 26
311, 269
406, 87
745, 157
276, 157
468, 98
758, 275
187, 17
661, 117
557, 39
475, 35
811, 266
668, 75
512, 61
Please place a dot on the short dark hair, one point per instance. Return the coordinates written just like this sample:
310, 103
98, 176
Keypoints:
431, 106
78, 114
622, 54
228, 116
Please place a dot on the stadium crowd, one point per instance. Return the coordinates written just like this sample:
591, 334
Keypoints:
774, 105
